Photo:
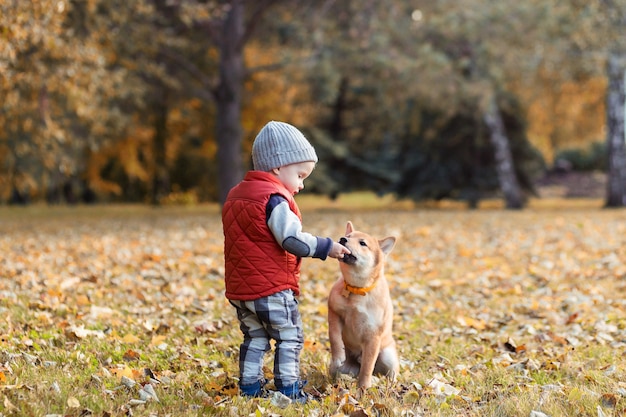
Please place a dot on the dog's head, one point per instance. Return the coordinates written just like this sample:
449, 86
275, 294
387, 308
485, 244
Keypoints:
367, 253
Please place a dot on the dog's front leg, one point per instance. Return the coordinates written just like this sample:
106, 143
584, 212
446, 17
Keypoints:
368, 360
337, 348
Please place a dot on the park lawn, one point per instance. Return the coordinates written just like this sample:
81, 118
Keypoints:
497, 313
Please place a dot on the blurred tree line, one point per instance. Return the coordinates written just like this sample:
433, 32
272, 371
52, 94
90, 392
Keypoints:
160, 100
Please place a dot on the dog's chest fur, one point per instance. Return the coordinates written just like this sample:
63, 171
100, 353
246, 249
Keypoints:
364, 316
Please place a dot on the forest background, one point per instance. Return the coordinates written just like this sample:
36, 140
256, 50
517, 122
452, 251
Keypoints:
159, 100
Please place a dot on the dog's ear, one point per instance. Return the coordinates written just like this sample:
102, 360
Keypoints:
349, 228
387, 244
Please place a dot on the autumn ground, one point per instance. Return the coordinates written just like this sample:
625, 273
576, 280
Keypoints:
120, 311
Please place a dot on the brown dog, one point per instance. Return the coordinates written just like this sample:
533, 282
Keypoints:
360, 313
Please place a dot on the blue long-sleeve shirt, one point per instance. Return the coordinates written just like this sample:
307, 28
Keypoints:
287, 229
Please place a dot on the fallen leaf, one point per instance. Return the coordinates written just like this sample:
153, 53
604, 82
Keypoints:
72, 402
157, 340
123, 372
79, 332
131, 339
442, 388
608, 400
280, 400
312, 345
8, 405
470, 322
131, 355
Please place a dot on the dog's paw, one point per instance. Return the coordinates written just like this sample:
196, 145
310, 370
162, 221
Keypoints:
349, 368
335, 369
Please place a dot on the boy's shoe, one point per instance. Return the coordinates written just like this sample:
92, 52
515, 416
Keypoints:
253, 390
295, 392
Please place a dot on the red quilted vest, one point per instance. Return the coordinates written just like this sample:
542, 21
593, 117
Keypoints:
256, 265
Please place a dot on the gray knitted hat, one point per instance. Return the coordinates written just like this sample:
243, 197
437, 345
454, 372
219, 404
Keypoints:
279, 144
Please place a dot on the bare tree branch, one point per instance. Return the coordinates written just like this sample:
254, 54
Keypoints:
213, 29
261, 6
265, 68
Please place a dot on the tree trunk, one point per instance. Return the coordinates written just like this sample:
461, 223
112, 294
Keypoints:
339, 109
160, 173
616, 192
504, 160
228, 101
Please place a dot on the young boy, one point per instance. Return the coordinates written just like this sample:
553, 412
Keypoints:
263, 247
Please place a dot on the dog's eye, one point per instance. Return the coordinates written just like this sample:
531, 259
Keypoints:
362, 243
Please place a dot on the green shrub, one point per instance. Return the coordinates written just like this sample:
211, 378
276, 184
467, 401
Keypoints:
591, 159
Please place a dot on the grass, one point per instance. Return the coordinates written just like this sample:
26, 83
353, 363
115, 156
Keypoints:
519, 311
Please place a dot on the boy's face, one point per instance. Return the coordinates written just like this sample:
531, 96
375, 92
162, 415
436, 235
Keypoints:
292, 176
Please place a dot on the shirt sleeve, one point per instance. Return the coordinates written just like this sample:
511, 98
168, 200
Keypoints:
287, 230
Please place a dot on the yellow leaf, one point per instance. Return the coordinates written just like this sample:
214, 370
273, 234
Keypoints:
125, 371
130, 338
411, 397
268, 373
82, 300
158, 339
322, 309
470, 322
465, 252
575, 395
54, 293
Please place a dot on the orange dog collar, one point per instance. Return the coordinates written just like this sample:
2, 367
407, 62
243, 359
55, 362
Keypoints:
347, 289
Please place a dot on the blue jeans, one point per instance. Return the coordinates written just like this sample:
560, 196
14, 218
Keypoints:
273, 317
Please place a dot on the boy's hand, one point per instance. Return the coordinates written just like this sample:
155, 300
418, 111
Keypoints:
338, 250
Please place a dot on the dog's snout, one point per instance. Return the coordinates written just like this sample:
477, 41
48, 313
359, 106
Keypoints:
343, 241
